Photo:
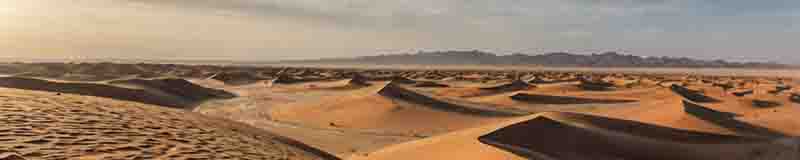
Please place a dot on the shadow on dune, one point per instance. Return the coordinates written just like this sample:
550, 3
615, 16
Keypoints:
514, 86
743, 93
395, 79
352, 84
727, 120
293, 79
538, 80
175, 93
178, 87
237, 78
510, 87
429, 84
795, 97
595, 85
548, 99
694, 96
572, 136
757, 103
395, 91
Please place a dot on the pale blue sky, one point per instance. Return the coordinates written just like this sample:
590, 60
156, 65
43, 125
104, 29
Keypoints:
292, 29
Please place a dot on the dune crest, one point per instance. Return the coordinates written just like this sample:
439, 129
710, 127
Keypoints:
179, 87
395, 91
516, 85
692, 95
548, 99
591, 85
572, 136
164, 92
727, 120
237, 78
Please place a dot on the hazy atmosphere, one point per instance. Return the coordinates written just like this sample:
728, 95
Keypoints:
296, 29
399, 79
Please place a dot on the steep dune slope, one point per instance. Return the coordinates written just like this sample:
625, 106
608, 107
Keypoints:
392, 109
576, 136
178, 87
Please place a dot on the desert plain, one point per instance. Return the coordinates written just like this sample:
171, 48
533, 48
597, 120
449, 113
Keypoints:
88, 111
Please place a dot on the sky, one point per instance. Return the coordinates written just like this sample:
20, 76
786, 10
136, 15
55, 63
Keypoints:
740, 30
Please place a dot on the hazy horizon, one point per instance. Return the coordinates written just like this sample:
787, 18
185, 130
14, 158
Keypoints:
266, 30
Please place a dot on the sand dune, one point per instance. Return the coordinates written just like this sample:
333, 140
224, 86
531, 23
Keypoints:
391, 109
292, 79
237, 78
395, 79
430, 84
548, 99
359, 80
461, 144
165, 92
728, 120
41, 125
513, 86
395, 91
387, 114
572, 136
481, 91
178, 87
538, 80
758, 103
780, 88
692, 95
595, 85
743, 93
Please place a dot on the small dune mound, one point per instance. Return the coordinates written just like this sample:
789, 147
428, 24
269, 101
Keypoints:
168, 93
764, 103
393, 78
237, 78
401, 80
472, 92
743, 93
513, 86
83, 71
540, 80
724, 86
359, 80
695, 96
11, 156
288, 79
395, 91
596, 85
780, 88
429, 84
569, 136
795, 97
706, 113
548, 99
783, 87
39, 125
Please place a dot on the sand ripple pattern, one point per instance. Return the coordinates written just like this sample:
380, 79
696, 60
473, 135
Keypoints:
41, 125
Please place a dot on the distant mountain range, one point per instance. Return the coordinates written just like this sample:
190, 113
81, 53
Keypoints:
561, 59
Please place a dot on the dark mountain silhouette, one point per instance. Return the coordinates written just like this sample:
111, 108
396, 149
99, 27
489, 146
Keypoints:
560, 59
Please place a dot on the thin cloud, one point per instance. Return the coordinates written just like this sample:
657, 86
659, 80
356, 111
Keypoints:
270, 29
